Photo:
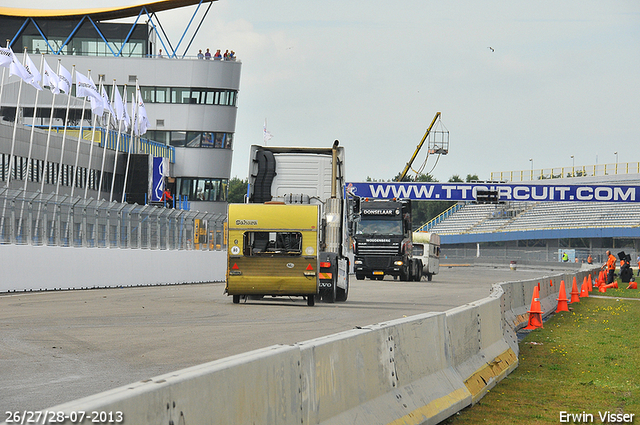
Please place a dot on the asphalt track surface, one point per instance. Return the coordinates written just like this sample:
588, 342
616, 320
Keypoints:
59, 346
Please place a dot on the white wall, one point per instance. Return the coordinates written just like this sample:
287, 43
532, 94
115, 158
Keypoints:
27, 267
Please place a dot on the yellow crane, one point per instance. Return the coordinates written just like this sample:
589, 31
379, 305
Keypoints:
441, 147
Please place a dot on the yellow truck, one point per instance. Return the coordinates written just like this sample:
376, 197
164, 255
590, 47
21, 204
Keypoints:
291, 237
273, 250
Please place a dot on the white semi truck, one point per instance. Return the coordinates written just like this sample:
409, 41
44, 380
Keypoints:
291, 237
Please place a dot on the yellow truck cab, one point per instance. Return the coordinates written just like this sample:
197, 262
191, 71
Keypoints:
273, 250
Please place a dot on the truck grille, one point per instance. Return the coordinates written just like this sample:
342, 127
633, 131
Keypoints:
377, 262
393, 249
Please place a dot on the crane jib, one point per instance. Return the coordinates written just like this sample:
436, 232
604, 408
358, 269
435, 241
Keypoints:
505, 192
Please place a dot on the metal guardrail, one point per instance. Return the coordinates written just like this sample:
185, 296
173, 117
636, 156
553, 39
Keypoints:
567, 172
31, 218
109, 140
440, 217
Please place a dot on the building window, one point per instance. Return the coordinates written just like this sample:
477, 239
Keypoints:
182, 95
192, 139
203, 189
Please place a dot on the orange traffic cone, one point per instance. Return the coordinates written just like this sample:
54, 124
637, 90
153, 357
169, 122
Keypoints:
575, 294
584, 293
589, 283
535, 312
632, 285
602, 288
562, 299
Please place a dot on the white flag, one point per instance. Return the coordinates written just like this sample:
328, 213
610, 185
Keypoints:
266, 136
16, 68
143, 121
5, 57
118, 105
127, 118
65, 80
51, 79
32, 69
106, 102
85, 87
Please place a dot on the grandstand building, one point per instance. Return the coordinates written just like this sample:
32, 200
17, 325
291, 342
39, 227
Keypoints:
191, 104
541, 231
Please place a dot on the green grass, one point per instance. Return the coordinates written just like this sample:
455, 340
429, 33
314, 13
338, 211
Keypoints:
584, 360
621, 292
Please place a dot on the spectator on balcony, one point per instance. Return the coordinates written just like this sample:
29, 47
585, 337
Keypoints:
207, 55
218, 55
200, 55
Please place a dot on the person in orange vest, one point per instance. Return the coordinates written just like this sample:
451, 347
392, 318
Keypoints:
590, 259
610, 267
166, 196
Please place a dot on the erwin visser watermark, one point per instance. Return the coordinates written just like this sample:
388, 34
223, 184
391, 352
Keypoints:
600, 417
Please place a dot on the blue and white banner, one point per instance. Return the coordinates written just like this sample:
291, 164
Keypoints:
159, 171
507, 192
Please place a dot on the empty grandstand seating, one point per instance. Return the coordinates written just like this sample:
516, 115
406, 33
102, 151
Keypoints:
523, 216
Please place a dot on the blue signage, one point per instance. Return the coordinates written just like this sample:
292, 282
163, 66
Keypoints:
158, 171
506, 192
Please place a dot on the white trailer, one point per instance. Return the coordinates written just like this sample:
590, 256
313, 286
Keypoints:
426, 247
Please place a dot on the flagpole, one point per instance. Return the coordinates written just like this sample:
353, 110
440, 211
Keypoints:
2, 85
15, 128
64, 133
104, 145
115, 161
45, 169
4, 203
75, 167
93, 135
33, 127
46, 152
133, 124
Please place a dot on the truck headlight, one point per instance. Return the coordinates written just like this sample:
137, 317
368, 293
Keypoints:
398, 263
357, 262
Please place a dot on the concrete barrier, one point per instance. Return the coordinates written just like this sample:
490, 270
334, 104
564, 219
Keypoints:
415, 370
52, 267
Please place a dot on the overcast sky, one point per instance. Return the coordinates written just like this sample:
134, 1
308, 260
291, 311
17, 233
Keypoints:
563, 79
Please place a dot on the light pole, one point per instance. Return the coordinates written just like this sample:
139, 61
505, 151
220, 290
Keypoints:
616, 154
531, 160
573, 166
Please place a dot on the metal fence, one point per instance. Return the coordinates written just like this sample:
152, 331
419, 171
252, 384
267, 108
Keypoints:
533, 254
29, 218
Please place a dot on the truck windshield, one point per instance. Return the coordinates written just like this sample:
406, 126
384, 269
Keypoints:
379, 227
272, 243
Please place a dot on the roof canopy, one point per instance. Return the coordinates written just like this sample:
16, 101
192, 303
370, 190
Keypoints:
98, 14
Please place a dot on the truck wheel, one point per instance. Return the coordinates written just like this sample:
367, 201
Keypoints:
342, 294
359, 276
236, 299
311, 300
